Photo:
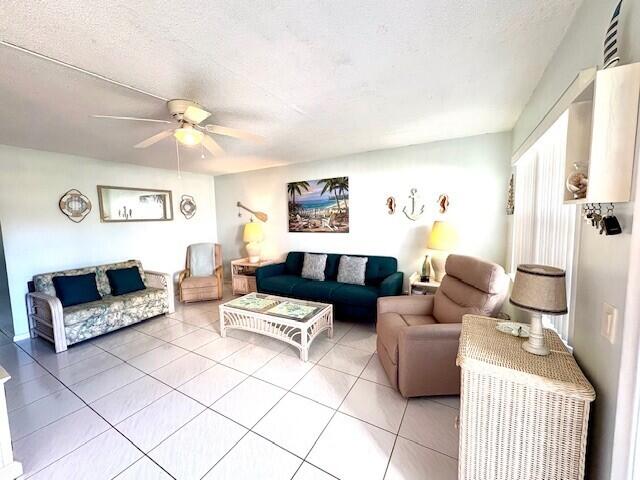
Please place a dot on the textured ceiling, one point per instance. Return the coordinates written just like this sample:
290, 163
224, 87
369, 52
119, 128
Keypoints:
317, 78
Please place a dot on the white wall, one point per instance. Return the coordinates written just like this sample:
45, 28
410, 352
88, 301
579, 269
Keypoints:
38, 238
603, 264
472, 171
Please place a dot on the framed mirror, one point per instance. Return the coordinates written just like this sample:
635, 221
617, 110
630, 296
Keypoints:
125, 204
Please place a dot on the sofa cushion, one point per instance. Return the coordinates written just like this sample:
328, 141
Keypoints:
44, 282
199, 282
281, 284
313, 266
378, 268
125, 280
98, 310
316, 291
76, 289
352, 269
355, 295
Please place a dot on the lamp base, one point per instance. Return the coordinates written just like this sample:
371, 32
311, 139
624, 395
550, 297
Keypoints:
253, 249
438, 261
535, 344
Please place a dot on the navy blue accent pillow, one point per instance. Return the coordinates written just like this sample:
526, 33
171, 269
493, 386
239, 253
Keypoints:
76, 289
125, 280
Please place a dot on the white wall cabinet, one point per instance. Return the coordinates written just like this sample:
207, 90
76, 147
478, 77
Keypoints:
603, 120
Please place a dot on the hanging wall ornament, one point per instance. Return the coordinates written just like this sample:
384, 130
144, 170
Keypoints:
188, 206
75, 205
611, 54
413, 211
443, 203
510, 197
391, 205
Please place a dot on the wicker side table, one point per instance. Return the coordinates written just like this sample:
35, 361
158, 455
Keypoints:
522, 416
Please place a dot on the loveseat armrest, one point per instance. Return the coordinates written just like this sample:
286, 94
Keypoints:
406, 304
269, 271
165, 281
427, 359
392, 285
46, 319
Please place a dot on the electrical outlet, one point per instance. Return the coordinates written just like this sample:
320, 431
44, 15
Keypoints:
609, 322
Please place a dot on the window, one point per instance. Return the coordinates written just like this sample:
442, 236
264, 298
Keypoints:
543, 227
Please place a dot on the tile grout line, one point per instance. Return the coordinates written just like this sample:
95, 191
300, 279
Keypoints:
263, 416
216, 362
92, 438
395, 440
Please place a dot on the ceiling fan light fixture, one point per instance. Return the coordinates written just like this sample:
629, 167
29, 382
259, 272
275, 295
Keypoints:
189, 136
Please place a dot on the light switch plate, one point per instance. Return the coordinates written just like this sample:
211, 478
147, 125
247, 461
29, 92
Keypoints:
609, 322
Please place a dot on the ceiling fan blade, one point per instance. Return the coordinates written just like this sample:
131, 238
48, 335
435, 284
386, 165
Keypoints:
154, 139
132, 118
211, 145
195, 115
234, 132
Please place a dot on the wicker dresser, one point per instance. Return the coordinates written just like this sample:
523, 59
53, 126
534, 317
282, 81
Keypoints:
522, 417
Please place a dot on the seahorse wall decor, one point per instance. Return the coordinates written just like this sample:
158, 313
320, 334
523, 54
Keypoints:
443, 202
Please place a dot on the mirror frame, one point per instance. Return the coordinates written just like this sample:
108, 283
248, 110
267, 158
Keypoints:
105, 188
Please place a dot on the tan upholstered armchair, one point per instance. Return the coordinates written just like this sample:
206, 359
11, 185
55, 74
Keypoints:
202, 277
418, 335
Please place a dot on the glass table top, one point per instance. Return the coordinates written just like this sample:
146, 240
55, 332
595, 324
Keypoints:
290, 308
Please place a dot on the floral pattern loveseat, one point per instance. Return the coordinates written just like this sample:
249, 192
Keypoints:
73, 324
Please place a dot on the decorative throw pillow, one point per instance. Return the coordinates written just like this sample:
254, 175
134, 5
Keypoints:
351, 269
313, 266
76, 289
125, 280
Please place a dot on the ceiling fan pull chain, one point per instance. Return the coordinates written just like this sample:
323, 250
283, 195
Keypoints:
178, 156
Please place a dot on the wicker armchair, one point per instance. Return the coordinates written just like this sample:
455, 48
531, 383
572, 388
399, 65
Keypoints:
194, 288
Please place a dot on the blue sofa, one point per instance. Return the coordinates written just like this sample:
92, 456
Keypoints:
350, 302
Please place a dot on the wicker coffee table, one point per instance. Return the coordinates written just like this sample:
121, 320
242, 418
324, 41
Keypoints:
296, 322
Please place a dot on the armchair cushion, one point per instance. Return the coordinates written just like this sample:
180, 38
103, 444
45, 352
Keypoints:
199, 282
201, 259
456, 298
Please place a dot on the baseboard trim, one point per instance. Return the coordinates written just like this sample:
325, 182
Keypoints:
24, 336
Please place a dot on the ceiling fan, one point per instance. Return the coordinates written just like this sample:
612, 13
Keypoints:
188, 116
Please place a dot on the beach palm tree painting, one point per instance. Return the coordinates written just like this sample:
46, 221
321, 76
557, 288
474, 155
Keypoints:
319, 205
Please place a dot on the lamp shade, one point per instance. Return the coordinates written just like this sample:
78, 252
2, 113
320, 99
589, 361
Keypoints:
252, 232
541, 289
443, 236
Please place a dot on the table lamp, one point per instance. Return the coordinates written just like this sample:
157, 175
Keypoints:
443, 238
539, 289
252, 237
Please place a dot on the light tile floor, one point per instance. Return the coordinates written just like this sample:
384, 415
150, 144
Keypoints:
169, 398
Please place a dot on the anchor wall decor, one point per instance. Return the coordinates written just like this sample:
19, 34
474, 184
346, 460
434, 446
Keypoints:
415, 212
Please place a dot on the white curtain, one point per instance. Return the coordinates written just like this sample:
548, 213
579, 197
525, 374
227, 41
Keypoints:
543, 227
